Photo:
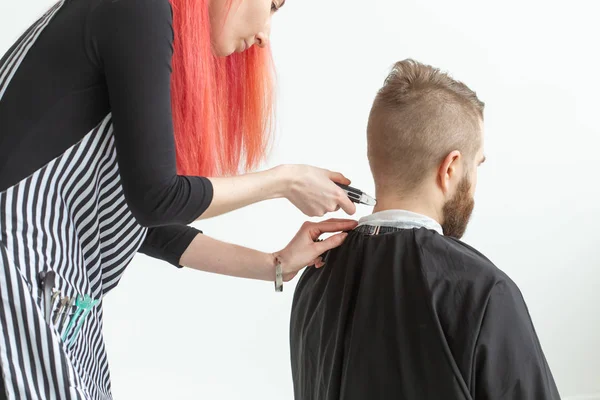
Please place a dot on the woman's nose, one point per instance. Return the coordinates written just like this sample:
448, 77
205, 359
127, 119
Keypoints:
262, 39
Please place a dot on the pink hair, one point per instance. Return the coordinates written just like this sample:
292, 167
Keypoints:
222, 107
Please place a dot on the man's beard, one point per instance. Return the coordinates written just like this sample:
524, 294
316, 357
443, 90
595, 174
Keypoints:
457, 211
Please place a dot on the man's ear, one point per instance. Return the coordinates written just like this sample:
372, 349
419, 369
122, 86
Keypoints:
449, 170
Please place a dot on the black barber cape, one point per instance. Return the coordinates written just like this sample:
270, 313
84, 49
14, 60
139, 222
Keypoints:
413, 315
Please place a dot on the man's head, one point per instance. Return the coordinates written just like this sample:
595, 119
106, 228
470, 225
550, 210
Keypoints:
425, 141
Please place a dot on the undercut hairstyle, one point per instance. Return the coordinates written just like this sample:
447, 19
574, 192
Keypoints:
418, 117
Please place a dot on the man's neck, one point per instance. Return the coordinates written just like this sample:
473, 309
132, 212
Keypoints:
416, 204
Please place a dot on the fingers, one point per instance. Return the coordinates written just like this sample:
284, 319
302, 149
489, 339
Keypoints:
318, 262
343, 202
319, 227
339, 178
331, 242
330, 225
333, 220
347, 205
336, 225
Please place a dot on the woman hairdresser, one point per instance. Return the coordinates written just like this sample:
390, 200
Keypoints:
113, 113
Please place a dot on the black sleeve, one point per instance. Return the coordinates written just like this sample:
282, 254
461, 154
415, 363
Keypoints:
132, 41
169, 242
509, 361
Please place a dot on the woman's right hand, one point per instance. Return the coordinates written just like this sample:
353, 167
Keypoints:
313, 191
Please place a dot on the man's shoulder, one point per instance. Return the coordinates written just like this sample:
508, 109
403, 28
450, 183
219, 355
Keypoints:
457, 272
460, 281
455, 257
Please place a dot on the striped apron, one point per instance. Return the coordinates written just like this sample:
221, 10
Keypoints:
70, 218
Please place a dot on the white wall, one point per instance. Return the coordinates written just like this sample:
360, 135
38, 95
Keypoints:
535, 65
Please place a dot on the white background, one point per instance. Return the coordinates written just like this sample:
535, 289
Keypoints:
177, 334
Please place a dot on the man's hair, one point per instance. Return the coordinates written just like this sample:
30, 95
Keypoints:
418, 117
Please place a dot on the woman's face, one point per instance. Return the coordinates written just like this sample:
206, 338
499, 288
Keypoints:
247, 23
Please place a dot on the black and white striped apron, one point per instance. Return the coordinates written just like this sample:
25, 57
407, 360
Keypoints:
69, 217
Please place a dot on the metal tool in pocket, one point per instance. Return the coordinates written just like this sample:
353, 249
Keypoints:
48, 280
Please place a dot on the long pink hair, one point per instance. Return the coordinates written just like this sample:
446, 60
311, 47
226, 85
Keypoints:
222, 107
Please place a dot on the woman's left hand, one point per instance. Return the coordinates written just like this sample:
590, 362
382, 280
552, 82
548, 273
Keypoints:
304, 250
